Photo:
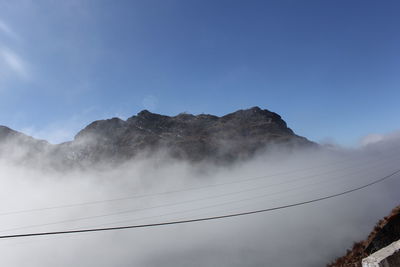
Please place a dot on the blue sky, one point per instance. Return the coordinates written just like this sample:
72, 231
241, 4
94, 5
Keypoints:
330, 68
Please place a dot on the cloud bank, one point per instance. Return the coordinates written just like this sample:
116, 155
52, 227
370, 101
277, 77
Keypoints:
157, 189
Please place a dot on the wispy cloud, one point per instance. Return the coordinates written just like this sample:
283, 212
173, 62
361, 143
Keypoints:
6, 30
12, 63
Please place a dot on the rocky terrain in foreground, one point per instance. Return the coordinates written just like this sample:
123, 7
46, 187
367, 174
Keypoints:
237, 135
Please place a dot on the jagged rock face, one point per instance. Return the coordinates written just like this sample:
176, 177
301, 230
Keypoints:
185, 136
236, 135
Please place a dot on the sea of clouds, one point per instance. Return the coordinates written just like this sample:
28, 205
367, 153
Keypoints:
153, 189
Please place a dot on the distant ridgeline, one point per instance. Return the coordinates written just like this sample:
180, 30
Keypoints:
238, 135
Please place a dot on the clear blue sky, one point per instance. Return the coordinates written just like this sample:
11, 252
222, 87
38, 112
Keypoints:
330, 68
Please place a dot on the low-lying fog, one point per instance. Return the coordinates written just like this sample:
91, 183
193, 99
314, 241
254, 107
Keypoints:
157, 189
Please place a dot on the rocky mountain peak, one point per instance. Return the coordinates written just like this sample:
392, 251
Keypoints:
189, 136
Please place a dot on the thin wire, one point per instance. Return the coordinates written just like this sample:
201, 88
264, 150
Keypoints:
200, 219
189, 201
186, 189
206, 207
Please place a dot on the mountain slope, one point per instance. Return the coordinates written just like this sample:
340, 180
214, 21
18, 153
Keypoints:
20, 147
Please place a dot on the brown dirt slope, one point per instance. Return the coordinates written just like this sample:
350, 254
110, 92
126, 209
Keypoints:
385, 232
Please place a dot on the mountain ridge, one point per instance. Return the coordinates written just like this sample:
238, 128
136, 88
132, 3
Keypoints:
236, 135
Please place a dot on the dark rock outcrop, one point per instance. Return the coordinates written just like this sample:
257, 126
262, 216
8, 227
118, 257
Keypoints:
236, 135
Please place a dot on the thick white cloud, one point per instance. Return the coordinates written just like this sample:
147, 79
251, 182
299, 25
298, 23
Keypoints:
371, 139
306, 236
377, 138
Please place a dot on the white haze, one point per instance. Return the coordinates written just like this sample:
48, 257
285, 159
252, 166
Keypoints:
309, 235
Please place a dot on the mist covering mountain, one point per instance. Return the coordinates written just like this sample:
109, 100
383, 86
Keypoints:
157, 168
235, 136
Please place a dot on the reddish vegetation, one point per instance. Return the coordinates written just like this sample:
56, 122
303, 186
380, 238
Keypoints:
364, 248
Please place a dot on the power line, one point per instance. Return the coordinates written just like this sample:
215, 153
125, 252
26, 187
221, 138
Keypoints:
191, 188
190, 201
196, 209
200, 219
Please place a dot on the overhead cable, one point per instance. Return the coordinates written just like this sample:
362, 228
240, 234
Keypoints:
176, 222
